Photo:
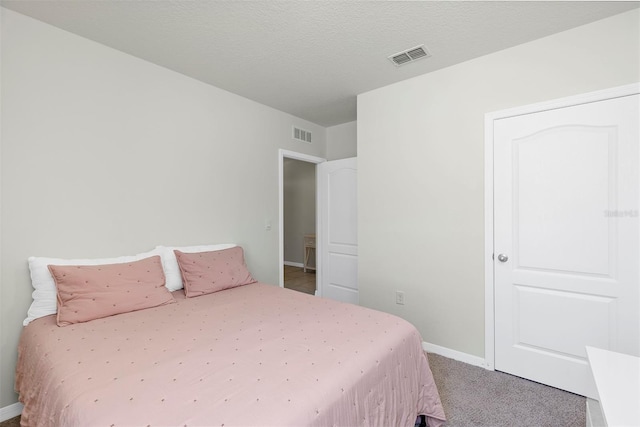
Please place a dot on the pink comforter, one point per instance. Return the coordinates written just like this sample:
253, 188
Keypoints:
253, 355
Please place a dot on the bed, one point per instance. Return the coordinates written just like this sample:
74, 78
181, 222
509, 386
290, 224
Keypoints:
250, 355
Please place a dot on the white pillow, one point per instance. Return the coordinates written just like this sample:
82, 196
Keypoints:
44, 294
170, 263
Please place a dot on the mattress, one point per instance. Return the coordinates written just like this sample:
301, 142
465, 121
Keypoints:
251, 355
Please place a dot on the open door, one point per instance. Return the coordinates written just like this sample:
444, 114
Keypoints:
338, 248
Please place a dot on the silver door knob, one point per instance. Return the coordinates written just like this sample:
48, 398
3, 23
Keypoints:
503, 258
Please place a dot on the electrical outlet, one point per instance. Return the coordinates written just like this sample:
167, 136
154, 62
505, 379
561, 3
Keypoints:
400, 297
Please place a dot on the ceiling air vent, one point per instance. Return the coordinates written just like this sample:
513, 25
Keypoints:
409, 55
301, 135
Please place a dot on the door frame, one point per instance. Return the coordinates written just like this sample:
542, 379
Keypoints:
489, 118
282, 154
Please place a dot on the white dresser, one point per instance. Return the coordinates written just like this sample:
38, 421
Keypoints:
617, 378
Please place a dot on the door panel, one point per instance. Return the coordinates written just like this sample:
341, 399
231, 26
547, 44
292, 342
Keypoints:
342, 186
556, 202
342, 280
339, 239
577, 318
566, 191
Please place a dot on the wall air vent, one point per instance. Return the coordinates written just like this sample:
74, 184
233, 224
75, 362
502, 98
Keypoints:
409, 55
301, 135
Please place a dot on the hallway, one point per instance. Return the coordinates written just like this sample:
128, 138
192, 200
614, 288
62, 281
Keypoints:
295, 278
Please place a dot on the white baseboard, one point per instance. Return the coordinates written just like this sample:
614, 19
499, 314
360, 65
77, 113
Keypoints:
455, 355
10, 411
294, 264
594, 415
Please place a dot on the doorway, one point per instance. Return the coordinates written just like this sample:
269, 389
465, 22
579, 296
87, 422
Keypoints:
299, 206
298, 221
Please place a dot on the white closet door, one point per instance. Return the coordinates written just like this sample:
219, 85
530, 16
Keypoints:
566, 239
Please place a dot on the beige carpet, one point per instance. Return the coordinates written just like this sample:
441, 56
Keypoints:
475, 397
13, 422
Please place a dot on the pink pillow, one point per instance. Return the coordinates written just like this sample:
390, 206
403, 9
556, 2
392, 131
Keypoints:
88, 292
208, 272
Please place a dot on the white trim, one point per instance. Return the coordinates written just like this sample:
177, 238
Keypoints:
489, 118
14, 410
10, 411
294, 264
455, 355
594, 415
305, 158
570, 101
319, 245
489, 337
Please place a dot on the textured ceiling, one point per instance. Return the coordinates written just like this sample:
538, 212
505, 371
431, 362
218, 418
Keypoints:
310, 58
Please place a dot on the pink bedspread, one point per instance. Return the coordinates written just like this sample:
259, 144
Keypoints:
253, 355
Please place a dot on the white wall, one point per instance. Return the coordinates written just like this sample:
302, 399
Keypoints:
299, 182
420, 170
105, 154
342, 141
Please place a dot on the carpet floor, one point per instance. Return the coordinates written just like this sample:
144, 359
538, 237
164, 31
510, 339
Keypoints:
13, 422
475, 397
